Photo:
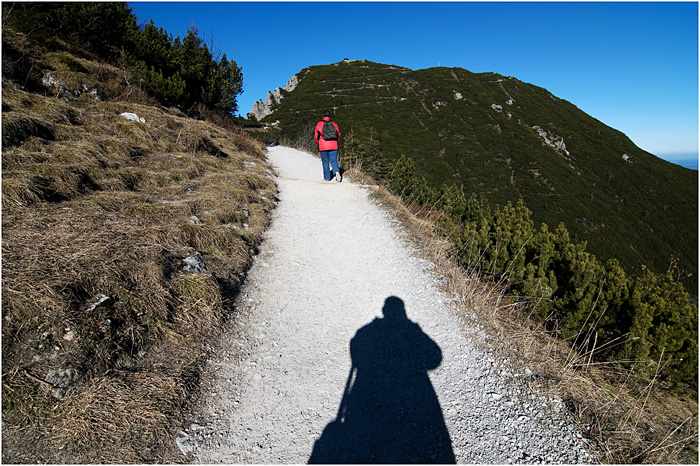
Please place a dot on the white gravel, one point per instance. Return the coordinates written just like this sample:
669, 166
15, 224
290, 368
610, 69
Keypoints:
419, 393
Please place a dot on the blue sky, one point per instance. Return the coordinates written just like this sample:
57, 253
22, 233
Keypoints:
631, 65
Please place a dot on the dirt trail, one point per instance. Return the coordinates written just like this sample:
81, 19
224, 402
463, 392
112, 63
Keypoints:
334, 268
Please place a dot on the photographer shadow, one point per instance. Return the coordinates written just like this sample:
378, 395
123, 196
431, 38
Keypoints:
389, 412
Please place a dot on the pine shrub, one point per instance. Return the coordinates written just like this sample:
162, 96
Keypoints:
645, 322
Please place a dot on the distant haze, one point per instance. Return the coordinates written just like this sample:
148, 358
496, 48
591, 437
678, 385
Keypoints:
684, 160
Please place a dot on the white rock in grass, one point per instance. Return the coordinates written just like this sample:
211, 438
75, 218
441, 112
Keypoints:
132, 117
194, 263
61, 380
100, 300
184, 443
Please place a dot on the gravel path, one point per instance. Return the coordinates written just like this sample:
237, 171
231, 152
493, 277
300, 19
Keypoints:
348, 351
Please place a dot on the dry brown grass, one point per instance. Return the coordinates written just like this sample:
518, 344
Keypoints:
94, 204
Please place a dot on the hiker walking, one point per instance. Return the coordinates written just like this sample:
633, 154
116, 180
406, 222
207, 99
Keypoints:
327, 135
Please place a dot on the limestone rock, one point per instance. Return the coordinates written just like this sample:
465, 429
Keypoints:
132, 117
261, 108
194, 263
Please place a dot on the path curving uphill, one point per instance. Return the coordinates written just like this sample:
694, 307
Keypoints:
347, 350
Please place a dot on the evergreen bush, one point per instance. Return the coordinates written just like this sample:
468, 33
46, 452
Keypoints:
645, 322
180, 73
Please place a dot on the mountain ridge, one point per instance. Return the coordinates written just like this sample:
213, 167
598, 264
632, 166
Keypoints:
504, 140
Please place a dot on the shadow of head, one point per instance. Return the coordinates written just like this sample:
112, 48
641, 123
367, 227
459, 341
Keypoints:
394, 308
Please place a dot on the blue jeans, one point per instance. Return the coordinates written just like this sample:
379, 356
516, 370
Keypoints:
329, 156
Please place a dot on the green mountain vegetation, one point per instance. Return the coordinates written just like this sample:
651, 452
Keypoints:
499, 161
181, 73
505, 140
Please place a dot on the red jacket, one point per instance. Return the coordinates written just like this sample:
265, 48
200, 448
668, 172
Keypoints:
318, 136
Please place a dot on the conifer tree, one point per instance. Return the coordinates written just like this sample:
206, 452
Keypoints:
403, 177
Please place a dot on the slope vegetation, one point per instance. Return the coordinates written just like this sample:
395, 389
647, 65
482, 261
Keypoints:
505, 140
127, 229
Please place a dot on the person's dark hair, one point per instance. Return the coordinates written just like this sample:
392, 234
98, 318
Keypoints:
326, 113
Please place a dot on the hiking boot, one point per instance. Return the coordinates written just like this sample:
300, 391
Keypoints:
338, 178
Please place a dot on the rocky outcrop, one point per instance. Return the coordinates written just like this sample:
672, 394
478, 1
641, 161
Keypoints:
555, 142
261, 108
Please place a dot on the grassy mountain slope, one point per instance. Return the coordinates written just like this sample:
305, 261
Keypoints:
123, 245
504, 140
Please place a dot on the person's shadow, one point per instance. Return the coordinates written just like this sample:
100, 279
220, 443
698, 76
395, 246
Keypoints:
389, 412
